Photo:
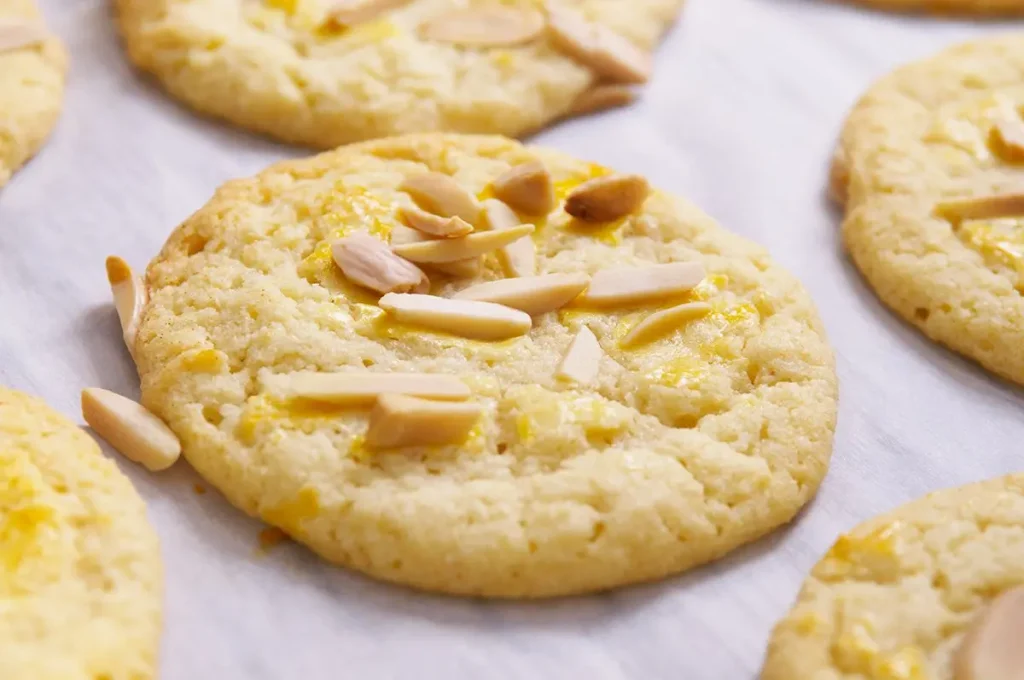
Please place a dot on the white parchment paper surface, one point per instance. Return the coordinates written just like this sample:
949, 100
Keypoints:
746, 102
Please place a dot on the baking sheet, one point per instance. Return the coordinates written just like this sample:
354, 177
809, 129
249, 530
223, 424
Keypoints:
741, 117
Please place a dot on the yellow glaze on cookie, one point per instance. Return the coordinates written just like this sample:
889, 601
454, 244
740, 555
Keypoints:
682, 449
80, 573
31, 92
277, 66
922, 135
893, 599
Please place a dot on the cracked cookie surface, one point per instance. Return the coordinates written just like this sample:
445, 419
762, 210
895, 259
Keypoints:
80, 574
895, 597
679, 451
273, 66
925, 135
31, 91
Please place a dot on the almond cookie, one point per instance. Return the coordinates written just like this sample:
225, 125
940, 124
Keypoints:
930, 169
492, 433
958, 7
80, 574
929, 590
329, 72
32, 66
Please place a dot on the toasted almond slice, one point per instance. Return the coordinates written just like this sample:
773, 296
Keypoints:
130, 298
605, 52
453, 249
18, 33
605, 199
484, 27
583, 359
363, 388
518, 258
988, 207
442, 195
1007, 139
369, 262
400, 420
345, 13
660, 323
532, 294
464, 269
467, 318
600, 98
130, 428
402, 234
434, 225
633, 285
992, 648
526, 188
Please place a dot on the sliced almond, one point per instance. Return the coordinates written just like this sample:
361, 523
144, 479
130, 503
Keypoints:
434, 225
466, 318
484, 27
609, 55
992, 648
130, 428
402, 234
18, 33
606, 199
454, 249
527, 188
442, 195
518, 258
464, 269
130, 298
345, 13
601, 98
634, 285
400, 420
533, 294
1007, 139
989, 207
661, 323
369, 262
583, 359
363, 388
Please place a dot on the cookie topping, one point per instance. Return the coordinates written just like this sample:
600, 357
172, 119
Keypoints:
484, 27
981, 207
345, 13
1007, 140
442, 195
583, 359
606, 53
363, 388
466, 318
18, 33
526, 188
453, 249
130, 298
369, 262
992, 648
434, 225
605, 199
661, 323
130, 428
519, 258
602, 97
633, 285
533, 294
400, 420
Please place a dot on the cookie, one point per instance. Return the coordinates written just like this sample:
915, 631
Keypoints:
327, 72
32, 67
942, 7
614, 437
928, 166
80, 572
898, 595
